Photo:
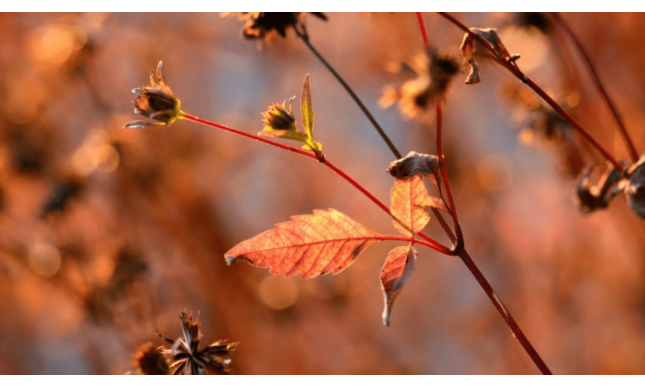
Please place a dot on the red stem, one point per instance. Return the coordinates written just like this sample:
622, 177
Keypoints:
429, 242
506, 315
245, 134
599, 85
520, 75
387, 237
422, 26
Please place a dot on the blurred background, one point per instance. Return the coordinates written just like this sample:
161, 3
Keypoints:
107, 234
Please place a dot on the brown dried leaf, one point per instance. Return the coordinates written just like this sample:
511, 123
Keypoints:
309, 245
395, 274
413, 163
490, 35
409, 199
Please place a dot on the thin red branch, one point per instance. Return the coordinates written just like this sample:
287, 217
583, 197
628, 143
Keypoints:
388, 237
444, 177
422, 26
520, 75
599, 85
506, 315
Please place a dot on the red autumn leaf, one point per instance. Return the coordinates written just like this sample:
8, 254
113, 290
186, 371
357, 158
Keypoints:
310, 245
409, 199
395, 274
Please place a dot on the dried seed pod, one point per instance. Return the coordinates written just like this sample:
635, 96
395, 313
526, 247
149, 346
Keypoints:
490, 35
470, 47
635, 188
591, 198
412, 164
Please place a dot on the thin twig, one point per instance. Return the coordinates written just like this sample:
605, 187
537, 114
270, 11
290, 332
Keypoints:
520, 75
599, 85
501, 308
422, 26
349, 90
446, 183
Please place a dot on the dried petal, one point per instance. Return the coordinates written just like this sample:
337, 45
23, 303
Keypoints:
140, 124
160, 74
473, 75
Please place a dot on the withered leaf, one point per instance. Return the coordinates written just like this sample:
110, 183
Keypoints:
309, 245
413, 163
395, 274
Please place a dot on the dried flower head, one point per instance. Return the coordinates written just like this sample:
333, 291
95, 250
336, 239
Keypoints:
260, 25
276, 117
149, 360
188, 359
431, 73
593, 197
156, 102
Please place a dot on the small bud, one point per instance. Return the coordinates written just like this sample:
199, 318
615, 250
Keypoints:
156, 101
635, 189
277, 118
413, 163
